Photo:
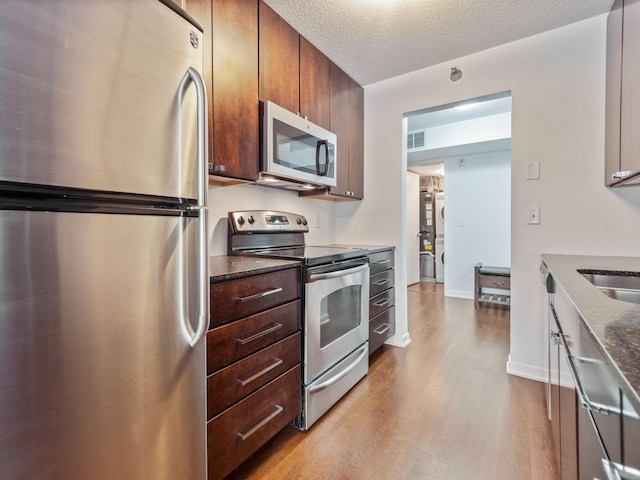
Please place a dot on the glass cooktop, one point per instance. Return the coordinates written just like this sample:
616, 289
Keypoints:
311, 255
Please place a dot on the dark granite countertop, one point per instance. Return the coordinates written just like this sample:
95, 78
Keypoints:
229, 267
614, 325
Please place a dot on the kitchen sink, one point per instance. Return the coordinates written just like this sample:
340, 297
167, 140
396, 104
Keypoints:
617, 285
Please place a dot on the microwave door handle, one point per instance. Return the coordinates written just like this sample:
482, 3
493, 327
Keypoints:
326, 157
326, 165
318, 157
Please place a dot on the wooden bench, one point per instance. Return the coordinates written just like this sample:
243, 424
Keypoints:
495, 278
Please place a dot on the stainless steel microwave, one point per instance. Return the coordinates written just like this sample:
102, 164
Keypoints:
296, 153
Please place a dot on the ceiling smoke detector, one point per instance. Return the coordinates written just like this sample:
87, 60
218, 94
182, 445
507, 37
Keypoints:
455, 74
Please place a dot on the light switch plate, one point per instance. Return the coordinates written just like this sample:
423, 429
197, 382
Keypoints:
533, 171
533, 216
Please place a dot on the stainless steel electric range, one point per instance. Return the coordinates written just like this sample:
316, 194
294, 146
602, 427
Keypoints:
335, 302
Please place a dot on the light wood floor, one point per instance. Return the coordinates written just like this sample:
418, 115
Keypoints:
442, 408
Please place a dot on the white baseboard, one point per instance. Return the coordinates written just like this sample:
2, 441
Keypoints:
398, 341
526, 371
459, 294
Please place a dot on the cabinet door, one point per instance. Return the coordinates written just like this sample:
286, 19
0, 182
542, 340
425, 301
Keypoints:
568, 325
554, 384
315, 89
279, 60
235, 89
631, 431
340, 126
613, 92
356, 140
630, 106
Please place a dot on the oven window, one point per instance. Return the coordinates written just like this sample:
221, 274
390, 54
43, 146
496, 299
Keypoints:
339, 313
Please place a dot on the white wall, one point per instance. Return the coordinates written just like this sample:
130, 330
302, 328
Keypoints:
319, 213
557, 84
483, 129
479, 195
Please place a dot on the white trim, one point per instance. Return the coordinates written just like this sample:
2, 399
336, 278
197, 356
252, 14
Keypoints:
531, 372
459, 294
396, 341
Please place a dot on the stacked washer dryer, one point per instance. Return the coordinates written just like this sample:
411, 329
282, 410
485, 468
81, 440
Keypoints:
439, 214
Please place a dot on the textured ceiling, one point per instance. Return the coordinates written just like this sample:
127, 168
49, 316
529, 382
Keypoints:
373, 40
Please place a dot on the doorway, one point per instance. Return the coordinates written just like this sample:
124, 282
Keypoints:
469, 142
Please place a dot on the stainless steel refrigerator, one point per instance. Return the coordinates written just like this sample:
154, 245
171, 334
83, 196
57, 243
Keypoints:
103, 241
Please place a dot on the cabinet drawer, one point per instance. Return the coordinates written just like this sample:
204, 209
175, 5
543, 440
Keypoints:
381, 302
381, 328
227, 386
495, 281
381, 261
240, 430
245, 296
380, 282
231, 342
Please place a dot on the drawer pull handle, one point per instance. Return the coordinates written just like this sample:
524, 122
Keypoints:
382, 282
262, 423
260, 295
384, 261
499, 283
382, 303
382, 328
276, 363
276, 326
616, 471
364, 351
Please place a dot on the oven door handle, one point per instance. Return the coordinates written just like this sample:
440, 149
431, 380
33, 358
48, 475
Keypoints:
340, 273
342, 374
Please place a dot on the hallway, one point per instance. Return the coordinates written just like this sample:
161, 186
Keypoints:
442, 408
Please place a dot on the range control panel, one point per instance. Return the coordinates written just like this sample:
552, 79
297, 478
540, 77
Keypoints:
262, 221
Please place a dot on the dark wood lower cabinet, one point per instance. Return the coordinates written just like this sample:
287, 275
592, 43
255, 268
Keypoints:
381, 329
239, 431
238, 380
568, 433
382, 313
253, 364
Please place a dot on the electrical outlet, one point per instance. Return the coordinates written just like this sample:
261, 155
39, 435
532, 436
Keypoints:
534, 216
460, 222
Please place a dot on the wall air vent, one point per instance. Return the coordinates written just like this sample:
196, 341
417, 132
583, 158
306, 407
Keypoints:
415, 140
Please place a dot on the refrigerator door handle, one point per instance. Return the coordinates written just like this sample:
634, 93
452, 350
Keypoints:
201, 208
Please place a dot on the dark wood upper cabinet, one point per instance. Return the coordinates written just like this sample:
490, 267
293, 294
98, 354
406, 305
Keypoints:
613, 91
315, 89
279, 60
630, 98
622, 115
235, 124
340, 126
347, 122
356, 140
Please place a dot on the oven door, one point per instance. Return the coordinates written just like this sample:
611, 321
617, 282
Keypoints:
336, 314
